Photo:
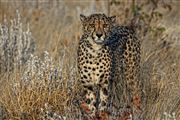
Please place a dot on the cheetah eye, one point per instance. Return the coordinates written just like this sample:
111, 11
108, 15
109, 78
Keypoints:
91, 25
105, 25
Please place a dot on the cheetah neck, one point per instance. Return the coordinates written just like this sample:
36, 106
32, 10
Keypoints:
94, 45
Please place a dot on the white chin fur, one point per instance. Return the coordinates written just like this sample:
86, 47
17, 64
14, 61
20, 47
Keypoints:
97, 40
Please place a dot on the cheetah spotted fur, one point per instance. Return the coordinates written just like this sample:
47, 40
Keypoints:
107, 53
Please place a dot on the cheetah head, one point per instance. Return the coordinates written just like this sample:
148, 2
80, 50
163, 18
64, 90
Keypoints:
97, 26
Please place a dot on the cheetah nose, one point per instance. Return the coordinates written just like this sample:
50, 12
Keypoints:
99, 35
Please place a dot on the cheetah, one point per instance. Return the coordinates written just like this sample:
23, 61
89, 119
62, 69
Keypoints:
109, 60
94, 63
125, 49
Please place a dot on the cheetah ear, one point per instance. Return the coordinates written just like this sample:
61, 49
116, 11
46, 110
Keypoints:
82, 17
112, 19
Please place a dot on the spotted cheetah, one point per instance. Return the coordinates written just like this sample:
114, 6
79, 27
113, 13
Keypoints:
125, 49
94, 62
108, 53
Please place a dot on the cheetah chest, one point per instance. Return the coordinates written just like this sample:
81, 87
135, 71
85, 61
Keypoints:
95, 65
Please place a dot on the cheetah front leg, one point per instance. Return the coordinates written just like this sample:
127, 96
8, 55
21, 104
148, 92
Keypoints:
103, 98
88, 104
103, 113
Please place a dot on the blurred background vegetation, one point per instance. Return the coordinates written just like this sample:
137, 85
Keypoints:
38, 43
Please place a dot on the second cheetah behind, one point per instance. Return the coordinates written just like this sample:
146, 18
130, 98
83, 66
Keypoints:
127, 86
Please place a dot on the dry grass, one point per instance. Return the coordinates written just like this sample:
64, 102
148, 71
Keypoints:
55, 26
24, 102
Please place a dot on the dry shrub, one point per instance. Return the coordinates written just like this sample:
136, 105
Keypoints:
40, 90
28, 102
16, 44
